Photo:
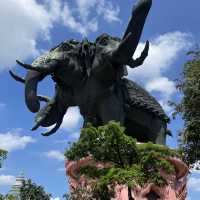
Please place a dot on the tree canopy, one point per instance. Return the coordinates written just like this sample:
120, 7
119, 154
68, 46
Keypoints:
3, 155
189, 108
30, 190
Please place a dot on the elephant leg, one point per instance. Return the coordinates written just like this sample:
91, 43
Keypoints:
111, 108
161, 136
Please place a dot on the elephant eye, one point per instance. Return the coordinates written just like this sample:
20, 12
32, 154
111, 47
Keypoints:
67, 47
104, 41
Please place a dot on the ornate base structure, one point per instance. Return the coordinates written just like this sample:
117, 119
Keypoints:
174, 190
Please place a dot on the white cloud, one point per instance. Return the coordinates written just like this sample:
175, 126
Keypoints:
22, 23
57, 198
109, 11
7, 180
55, 154
164, 51
162, 85
71, 119
77, 25
25, 22
85, 17
12, 141
165, 105
194, 184
74, 136
71, 137
84, 8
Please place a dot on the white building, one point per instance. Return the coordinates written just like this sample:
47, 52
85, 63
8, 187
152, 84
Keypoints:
15, 189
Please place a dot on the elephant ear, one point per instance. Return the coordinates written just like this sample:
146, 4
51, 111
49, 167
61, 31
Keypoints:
59, 53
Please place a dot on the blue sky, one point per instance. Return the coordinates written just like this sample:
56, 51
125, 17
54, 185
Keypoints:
30, 27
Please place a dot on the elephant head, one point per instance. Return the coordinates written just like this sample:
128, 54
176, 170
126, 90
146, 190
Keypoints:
71, 62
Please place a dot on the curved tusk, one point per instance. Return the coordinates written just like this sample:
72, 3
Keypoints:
52, 131
16, 77
121, 57
37, 125
45, 111
30, 67
145, 52
45, 69
139, 61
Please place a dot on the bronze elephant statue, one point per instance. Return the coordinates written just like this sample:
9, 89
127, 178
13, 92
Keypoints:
90, 75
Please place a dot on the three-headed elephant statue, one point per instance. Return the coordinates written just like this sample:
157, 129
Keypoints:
90, 75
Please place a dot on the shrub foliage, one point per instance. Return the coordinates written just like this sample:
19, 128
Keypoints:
132, 163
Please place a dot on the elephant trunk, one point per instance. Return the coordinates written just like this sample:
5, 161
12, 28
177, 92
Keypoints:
31, 82
131, 38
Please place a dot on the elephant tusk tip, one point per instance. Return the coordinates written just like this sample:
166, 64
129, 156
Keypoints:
16, 77
35, 127
45, 134
11, 72
18, 62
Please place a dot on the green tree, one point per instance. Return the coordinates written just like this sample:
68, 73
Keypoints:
66, 196
1, 197
132, 163
31, 191
3, 155
189, 108
7, 197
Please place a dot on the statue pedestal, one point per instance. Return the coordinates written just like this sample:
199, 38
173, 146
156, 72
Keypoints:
174, 190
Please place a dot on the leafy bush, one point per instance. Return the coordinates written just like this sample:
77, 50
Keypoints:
132, 163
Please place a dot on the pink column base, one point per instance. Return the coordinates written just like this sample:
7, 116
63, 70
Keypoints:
175, 190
